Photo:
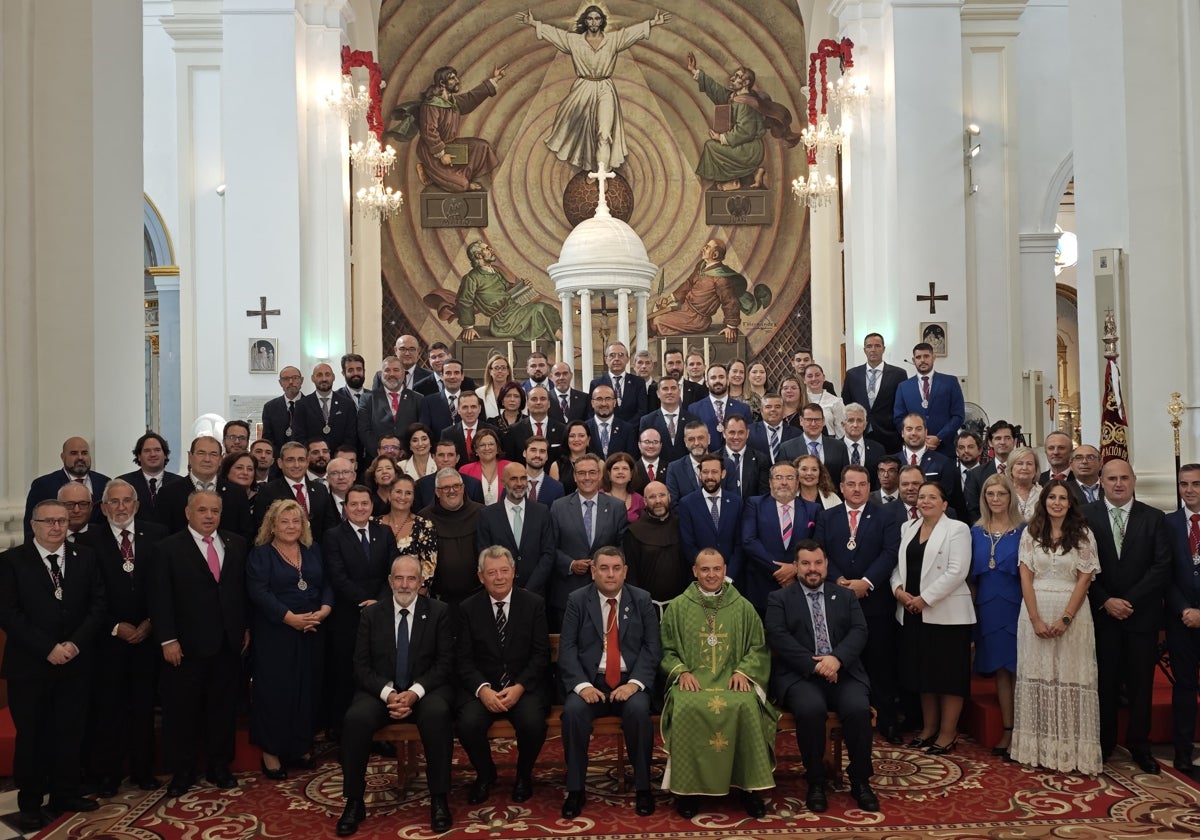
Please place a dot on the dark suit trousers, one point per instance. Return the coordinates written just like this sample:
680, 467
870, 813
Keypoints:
434, 720
879, 658
528, 719
200, 698
577, 717
1183, 643
1128, 658
49, 714
339, 662
810, 701
123, 707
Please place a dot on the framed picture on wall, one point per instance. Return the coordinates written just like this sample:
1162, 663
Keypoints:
263, 355
935, 333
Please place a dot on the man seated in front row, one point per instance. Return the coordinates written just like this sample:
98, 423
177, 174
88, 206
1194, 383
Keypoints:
404, 670
718, 728
608, 651
818, 633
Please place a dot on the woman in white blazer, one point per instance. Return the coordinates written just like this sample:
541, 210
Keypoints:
936, 614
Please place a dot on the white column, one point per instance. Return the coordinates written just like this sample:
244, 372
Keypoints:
585, 337
1037, 313
623, 318
568, 329
643, 331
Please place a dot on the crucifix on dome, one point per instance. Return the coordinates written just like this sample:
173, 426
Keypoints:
600, 177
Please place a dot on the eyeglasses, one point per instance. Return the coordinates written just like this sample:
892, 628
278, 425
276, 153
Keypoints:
450, 488
1083, 457
336, 473
53, 523
76, 505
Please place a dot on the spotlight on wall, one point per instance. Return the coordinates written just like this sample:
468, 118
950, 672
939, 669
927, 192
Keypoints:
971, 150
221, 190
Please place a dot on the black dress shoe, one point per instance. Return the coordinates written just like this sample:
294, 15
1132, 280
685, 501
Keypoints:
753, 804
147, 782
106, 788
1146, 763
864, 796
572, 805
179, 785
891, 734
439, 814
275, 774
522, 789
645, 803
354, 813
817, 800
1183, 763
222, 778
921, 743
937, 749
28, 821
686, 806
480, 790
73, 803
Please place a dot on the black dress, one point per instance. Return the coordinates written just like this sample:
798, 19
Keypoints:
934, 658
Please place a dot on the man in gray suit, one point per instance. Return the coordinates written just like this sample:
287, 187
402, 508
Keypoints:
583, 521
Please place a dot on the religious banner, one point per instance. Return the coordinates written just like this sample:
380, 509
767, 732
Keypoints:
1114, 429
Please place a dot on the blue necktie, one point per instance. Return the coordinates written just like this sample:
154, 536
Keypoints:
854, 458
820, 628
872, 385
366, 543
588, 527
604, 439
737, 470
813, 448
774, 443
716, 513
402, 681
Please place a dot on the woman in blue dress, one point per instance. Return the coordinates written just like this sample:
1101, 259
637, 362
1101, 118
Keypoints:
290, 597
995, 541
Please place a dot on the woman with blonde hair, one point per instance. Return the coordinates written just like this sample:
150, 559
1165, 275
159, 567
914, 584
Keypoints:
496, 374
1023, 468
815, 483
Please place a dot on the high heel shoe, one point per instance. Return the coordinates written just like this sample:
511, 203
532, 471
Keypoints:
1002, 751
276, 775
937, 749
919, 743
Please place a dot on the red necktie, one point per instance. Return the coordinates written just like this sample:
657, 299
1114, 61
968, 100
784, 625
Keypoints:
394, 396
1000, 468
925, 387
913, 460
533, 490
300, 497
650, 471
126, 547
470, 446
1194, 534
1059, 477
214, 562
912, 513
612, 647
539, 428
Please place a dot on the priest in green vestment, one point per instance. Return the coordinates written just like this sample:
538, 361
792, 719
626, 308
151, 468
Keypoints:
717, 726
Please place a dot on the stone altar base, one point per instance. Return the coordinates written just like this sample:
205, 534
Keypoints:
709, 342
738, 207
447, 209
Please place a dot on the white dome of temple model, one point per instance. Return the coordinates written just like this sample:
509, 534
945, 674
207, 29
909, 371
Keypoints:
602, 255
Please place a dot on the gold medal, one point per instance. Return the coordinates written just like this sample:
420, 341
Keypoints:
127, 567
302, 585
851, 544
58, 592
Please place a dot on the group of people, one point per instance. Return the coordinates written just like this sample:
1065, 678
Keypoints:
674, 530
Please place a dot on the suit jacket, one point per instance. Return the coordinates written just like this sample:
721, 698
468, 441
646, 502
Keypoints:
170, 508
424, 494
343, 420
322, 512
579, 407
881, 419
458, 437
276, 424
608, 528
433, 385
681, 479
1183, 589
937, 467
789, 630
420, 375
760, 437
754, 479
1045, 477
873, 557
549, 490
357, 576
943, 572
430, 646
348, 394
47, 486
435, 413
622, 436
943, 416
375, 418
704, 411
188, 605
1140, 573
1079, 494
831, 447
762, 544
691, 392
697, 531
972, 487
633, 395
581, 643
555, 432
672, 448
126, 594
838, 458
147, 506
641, 477
524, 655
652, 403
35, 621
535, 554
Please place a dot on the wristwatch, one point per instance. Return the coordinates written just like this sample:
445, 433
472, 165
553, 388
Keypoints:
1066, 619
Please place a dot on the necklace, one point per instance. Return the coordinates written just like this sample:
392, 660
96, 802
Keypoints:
710, 616
994, 538
296, 564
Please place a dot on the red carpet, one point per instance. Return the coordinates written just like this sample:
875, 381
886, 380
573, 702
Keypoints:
968, 794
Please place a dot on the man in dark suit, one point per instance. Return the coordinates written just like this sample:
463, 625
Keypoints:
127, 657
887, 478
204, 460
718, 405
52, 609
445, 454
934, 465
503, 651
609, 627
522, 528
403, 672
689, 392
818, 633
683, 474
1085, 482
151, 453
629, 390
390, 409
745, 468
769, 434
567, 403
1134, 545
295, 484
279, 420
937, 397
813, 440
542, 488
771, 527
1002, 440
968, 448
1058, 457
357, 555
711, 517
408, 351
354, 371
583, 522
874, 385
693, 384
856, 448
643, 367
650, 465
610, 433
462, 433
1183, 616
439, 409
439, 355
198, 612
860, 540
538, 422
669, 420
77, 468
327, 414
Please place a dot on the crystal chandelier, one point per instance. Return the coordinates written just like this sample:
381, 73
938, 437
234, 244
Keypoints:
371, 159
349, 102
378, 202
814, 191
848, 92
822, 137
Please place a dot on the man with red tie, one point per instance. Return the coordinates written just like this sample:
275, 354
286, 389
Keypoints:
539, 422
937, 397
295, 484
390, 409
1058, 457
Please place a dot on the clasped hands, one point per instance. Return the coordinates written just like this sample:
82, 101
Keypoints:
502, 701
304, 622
62, 653
911, 604
620, 694
126, 632
400, 704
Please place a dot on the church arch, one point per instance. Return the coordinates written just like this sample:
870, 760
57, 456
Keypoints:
1055, 187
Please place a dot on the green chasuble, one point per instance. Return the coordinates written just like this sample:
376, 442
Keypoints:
716, 738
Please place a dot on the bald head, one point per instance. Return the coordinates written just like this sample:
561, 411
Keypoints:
658, 500
76, 456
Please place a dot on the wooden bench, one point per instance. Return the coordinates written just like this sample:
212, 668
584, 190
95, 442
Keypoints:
406, 740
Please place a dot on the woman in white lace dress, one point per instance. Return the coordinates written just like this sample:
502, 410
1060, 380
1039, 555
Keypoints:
1057, 719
